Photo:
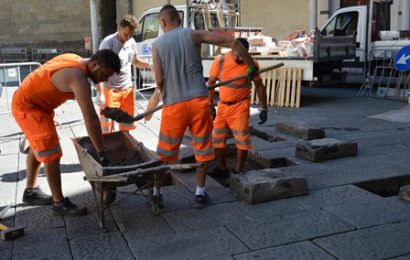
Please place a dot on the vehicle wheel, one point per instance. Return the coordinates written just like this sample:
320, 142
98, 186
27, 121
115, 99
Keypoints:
109, 196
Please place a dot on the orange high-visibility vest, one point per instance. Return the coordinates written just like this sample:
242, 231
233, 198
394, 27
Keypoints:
37, 91
224, 67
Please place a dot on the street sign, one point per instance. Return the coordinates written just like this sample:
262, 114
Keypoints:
402, 59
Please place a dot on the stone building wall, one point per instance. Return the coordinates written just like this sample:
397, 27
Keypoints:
33, 24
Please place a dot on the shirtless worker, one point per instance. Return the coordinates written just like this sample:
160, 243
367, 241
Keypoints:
179, 76
118, 91
63, 77
233, 109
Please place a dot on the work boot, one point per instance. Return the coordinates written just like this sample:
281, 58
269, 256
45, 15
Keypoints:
218, 173
66, 208
201, 201
36, 197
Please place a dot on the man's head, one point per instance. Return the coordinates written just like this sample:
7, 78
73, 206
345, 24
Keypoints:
235, 54
126, 30
169, 18
103, 64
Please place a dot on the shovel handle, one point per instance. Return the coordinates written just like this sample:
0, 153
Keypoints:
221, 83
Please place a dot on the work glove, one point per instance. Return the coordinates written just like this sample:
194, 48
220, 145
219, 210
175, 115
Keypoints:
251, 72
263, 116
213, 111
99, 99
102, 159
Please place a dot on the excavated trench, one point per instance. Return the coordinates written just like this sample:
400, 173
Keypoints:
385, 187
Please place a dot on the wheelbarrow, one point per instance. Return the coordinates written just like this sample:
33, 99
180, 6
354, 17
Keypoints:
130, 163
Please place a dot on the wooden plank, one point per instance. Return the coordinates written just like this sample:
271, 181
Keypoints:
273, 88
288, 82
293, 90
282, 87
298, 87
268, 85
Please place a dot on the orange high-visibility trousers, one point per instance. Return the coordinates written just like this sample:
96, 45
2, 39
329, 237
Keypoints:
122, 99
194, 114
41, 133
233, 118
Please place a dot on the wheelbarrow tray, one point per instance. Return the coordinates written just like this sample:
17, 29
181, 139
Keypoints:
122, 150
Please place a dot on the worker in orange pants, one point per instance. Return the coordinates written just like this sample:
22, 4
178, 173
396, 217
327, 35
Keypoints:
233, 108
62, 78
118, 91
179, 77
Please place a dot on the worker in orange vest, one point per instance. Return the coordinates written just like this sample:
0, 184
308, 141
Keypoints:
178, 74
43, 90
233, 108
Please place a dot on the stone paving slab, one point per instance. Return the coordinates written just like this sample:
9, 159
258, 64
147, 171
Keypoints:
325, 149
345, 194
267, 184
272, 211
258, 235
348, 176
300, 130
43, 243
212, 216
210, 243
299, 251
272, 158
105, 246
378, 242
372, 212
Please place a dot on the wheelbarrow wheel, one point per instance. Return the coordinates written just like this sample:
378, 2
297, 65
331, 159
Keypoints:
108, 197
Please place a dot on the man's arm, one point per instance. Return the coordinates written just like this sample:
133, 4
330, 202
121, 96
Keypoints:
211, 93
158, 72
82, 92
228, 41
140, 64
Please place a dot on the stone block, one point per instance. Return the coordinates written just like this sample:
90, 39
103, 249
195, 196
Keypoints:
267, 184
325, 149
404, 193
300, 130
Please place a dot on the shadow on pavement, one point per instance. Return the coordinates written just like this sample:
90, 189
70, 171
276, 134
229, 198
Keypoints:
21, 175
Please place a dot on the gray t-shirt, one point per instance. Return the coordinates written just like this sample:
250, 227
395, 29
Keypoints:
126, 51
182, 67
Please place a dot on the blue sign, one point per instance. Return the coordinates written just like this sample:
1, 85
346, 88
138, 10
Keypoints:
146, 49
402, 59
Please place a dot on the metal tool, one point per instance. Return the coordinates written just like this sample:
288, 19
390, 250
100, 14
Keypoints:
7, 233
119, 115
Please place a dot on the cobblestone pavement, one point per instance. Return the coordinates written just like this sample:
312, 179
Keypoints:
351, 212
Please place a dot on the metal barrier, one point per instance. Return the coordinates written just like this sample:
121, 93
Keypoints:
143, 78
11, 76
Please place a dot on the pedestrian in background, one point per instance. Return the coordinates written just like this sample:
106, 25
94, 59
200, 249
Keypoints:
118, 91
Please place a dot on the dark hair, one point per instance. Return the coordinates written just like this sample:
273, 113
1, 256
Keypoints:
129, 21
244, 42
107, 59
171, 12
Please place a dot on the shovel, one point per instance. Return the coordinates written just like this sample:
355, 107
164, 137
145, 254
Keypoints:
118, 115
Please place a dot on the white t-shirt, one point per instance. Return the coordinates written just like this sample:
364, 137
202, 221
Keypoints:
126, 51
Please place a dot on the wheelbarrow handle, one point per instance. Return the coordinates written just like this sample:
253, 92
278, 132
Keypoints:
184, 166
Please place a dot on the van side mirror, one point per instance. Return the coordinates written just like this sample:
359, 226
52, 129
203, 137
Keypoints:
138, 37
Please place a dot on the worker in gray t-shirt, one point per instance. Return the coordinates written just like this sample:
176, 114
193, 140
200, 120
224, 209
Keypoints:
118, 91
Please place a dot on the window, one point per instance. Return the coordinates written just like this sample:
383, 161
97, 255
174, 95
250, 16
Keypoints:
344, 24
150, 27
